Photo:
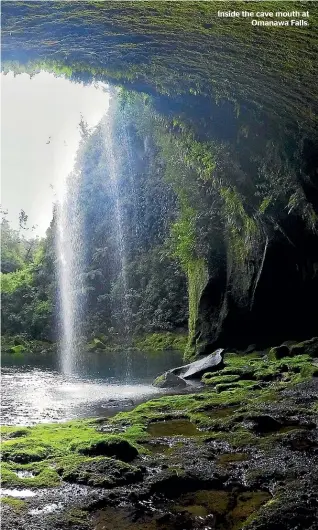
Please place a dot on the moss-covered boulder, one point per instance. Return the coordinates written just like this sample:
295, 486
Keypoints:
98, 471
169, 380
118, 448
279, 352
211, 379
308, 347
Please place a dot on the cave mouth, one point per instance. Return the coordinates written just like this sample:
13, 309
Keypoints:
233, 184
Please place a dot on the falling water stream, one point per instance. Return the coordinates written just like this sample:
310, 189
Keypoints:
71, 252
114, 164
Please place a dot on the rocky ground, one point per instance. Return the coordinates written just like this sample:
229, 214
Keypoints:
239, 453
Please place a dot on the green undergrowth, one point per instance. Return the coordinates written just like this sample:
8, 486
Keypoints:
148, 343
18, 344
157, 342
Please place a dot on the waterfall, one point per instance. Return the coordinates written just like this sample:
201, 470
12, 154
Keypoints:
70, 246
113, 157
70, 254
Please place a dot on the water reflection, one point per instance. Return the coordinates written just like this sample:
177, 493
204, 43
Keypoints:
33, 394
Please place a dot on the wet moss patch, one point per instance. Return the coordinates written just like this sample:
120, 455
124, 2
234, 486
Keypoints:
159, 448
226, 459
173, 428
35, 475
16, 504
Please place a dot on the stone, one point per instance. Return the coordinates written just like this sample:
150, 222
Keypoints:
120, 449
169, 380
309, 347
195, 370
176, 377
278, 352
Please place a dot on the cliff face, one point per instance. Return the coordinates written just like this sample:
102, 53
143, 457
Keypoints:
223, 146
283, 305
236, 227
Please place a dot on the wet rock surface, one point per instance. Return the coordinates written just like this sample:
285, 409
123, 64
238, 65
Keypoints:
219, 461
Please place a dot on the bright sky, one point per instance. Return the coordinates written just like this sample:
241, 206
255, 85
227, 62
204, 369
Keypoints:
33, 110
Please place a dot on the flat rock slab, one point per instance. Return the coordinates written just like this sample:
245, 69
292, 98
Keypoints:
176, 377
195, 370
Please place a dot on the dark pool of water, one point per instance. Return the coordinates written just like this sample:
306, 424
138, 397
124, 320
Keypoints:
35, 391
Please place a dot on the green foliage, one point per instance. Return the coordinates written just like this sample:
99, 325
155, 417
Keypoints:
242, 229
183, 237
28, 292
14, 280
197, 280
161, 341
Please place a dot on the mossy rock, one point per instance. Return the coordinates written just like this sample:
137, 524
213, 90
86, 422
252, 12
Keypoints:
278, 352
16, 504
251, 385
211, 379
169, 380
25, 455
118, 448
98, 471
308, 347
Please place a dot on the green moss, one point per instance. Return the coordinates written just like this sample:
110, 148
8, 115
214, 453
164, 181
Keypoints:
242, 230
74, 517
173, 428
153, 29
248, 503
109, 446
204, 501
31, 459
42, 455
279, 352
231, 458
35, 475
211, 379
159, 380
15, 504
183, 245
13, 432
51, 440
197, 273
251, 385
231, 508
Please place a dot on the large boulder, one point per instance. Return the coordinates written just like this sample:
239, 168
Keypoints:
176, 377
195, 370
